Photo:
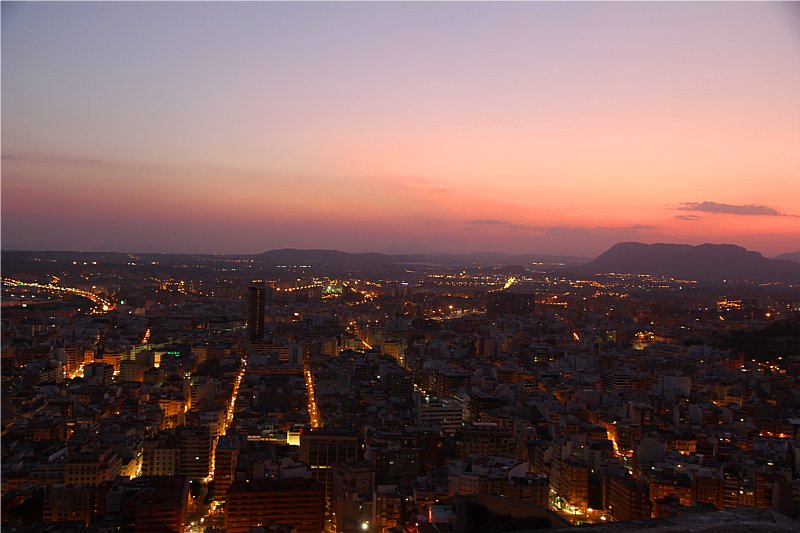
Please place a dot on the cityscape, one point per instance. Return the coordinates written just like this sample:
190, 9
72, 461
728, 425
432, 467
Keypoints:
400, 267
175, 392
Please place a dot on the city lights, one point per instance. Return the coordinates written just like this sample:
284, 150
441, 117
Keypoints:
414, 267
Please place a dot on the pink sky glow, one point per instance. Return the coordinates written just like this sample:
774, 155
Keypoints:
454, 127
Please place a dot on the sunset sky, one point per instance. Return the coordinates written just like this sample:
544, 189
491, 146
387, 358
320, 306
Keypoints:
559, 128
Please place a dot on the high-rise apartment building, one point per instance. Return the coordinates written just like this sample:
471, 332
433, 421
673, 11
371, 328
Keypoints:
445, 413
162, 505
321, 449
387, 508
296, 502
226, 460
255, 318
68, 503
627, 498
195, 448
709, 487
353, 484
161, 456
91, 465
484, 439
571, 483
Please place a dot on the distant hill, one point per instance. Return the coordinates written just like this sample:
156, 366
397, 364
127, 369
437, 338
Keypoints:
795, 256
373, 261
706, 262
275, 262
328, 259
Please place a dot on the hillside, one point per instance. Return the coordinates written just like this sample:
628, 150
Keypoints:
706, 262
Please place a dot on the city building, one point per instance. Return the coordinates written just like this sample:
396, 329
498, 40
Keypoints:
255, 317
299, 503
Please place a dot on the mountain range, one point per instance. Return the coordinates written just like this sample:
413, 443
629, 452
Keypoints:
361, 261
794, 256
706, 262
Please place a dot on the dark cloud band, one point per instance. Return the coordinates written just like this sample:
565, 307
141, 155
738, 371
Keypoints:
731, 209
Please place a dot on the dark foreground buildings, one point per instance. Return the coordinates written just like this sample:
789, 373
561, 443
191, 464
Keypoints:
422, 401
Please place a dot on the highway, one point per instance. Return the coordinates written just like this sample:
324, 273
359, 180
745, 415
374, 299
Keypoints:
106, 305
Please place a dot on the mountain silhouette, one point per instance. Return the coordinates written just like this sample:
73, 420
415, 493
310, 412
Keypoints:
792, 256
706, 262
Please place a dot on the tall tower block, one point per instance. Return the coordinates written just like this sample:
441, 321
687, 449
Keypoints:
255, 318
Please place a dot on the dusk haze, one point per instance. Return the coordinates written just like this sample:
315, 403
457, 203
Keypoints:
556, 128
